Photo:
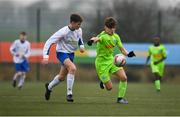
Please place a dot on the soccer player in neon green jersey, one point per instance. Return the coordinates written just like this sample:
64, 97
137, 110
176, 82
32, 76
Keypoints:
157, 54
106, 41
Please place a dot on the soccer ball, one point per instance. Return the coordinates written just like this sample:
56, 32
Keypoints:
119, 60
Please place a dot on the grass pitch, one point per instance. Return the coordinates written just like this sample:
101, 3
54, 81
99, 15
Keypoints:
89, 100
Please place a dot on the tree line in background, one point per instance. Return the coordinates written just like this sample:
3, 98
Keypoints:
138, 20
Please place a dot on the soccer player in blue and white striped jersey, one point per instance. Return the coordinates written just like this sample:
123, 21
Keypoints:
67, 39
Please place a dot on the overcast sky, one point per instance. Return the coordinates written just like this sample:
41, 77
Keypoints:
163, 3
171, 3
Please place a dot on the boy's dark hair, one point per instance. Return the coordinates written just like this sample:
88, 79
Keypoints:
23, 33
76, 18
156, 37
110, 22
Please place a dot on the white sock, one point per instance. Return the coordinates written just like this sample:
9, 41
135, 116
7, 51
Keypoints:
15, 76
21, 81
70, 82
54, 82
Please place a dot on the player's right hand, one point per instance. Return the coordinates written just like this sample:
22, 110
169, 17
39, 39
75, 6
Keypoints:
45, 60
131, 54
17, 55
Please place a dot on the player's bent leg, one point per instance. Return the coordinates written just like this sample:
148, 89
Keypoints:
57, 79
63, 73
15, 77
121, 75
70, 78
157, 81
70, 66
54, 82
21, 80
108, 85
19, 76
50, 86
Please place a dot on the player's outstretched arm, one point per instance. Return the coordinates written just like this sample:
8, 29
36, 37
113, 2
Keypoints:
126, 53
93, 40
52, 40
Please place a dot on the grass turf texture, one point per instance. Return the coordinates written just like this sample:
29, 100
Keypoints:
89, 100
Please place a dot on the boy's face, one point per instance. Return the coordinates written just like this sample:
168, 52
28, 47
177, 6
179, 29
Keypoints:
110, 31
76, 25
156, 41
22, 37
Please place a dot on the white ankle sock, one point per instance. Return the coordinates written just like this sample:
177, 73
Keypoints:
16, 75
70, 82
21, 81
54, 82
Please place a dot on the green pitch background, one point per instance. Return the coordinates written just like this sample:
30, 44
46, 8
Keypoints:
89, 100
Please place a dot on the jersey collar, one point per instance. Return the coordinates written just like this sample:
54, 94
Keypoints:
71, 29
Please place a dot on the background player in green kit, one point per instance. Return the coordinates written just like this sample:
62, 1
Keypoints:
157, 53
106, 41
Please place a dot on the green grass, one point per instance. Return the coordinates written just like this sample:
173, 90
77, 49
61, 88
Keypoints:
89, 100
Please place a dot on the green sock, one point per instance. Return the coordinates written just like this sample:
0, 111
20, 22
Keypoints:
122, 89
158, 84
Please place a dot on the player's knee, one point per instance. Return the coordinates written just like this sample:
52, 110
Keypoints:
109, 88
61, 78
72, 69
124, 78
19, 73
157, 76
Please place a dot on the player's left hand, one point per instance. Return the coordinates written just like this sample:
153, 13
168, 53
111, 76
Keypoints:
45, 60
131, 54
82, 50
17, 55
92, 40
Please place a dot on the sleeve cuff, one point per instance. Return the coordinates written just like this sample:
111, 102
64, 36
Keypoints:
81, 46
46, 57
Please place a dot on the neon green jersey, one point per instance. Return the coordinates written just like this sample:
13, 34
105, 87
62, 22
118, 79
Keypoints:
105, 45
157, 53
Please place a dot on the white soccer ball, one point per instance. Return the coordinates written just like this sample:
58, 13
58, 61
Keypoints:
119, 60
